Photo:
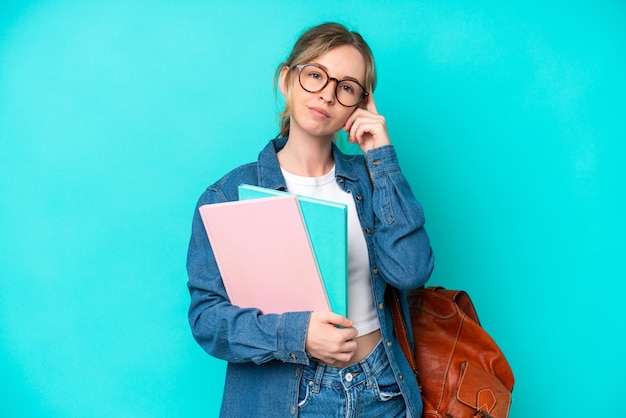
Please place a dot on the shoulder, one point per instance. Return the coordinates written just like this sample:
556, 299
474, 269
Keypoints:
263, 172
226, 188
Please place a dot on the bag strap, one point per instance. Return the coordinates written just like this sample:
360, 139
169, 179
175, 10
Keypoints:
460, 298
399, 326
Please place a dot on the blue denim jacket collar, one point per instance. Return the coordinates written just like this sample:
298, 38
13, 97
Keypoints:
271, 177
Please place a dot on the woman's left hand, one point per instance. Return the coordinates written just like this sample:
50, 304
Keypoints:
367, 128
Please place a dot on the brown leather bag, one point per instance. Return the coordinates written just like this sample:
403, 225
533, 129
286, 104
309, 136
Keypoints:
460, 369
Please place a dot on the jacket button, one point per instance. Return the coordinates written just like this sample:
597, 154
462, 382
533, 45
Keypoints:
368, 230
377, 162
381, 306
389, 343
293, 356
400, 377
375, 271
359, 197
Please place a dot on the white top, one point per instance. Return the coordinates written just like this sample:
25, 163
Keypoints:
361, 308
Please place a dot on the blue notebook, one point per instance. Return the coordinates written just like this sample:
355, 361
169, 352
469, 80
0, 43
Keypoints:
327, 223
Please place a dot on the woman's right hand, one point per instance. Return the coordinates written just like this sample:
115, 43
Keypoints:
330, 338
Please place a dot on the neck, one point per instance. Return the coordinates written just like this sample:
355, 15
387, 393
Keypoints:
310, 157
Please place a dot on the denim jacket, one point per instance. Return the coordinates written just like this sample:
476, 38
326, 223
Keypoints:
266, 353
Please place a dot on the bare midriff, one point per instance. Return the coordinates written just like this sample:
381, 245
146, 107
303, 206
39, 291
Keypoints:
365, 344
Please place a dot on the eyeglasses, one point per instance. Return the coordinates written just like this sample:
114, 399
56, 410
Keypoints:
314, 78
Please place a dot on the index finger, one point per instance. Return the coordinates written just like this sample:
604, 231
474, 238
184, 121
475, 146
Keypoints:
371, 106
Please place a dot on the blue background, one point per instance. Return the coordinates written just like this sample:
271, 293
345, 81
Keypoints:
509, 119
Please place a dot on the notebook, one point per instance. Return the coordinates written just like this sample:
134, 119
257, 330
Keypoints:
327, 224
264, 255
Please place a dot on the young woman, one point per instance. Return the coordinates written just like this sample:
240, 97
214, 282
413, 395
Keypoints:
321, 363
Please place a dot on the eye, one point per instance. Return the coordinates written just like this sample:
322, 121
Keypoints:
347, 87
316, 75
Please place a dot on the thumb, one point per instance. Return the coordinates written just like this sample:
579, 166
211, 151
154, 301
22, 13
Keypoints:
336, 319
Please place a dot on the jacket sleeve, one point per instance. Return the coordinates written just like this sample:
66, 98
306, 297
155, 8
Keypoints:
226, 331
403, 254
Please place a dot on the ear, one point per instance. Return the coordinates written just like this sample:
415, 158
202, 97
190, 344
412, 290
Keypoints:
283, 79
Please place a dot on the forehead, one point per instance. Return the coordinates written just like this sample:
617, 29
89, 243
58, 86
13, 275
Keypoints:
343, 61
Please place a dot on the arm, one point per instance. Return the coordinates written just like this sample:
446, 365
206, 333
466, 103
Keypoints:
403, 252
226, 331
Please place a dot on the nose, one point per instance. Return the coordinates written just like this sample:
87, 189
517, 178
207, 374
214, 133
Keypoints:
328, 93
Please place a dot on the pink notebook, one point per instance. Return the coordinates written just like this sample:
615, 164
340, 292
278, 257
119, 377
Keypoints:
263, 251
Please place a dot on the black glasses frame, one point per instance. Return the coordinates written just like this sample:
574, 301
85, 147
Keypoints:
328, 79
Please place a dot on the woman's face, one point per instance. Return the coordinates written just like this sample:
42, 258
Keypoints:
320, 114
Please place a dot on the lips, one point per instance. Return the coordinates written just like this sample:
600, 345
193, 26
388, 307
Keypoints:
319, 112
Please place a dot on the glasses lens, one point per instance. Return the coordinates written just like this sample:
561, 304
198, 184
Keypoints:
349, 93
313, 78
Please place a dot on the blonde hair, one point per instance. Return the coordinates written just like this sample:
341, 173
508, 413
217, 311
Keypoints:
313, 43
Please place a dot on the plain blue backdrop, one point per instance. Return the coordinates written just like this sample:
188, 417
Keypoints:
509, 119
